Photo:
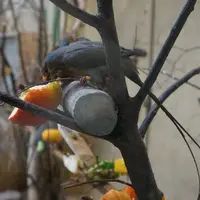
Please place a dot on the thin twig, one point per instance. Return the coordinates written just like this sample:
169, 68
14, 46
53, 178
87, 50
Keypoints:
32, 171
76, 12
3, 76
77, 24
71, 35
56, 27
67, 186
172, 77
162, 56
46, 38
43, 35
7, 7
41, 38
7, 63
3, 60
19, 42
173, 119
163, 97
64, 31
177, 79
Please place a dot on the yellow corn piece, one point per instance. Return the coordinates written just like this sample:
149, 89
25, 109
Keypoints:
119, 166
163, 198
51, 136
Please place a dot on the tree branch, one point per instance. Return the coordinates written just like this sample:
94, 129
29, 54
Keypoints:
126, 131
158, 64
3, 60
67, 186
137, 162
105, 8
41, 35
19, 41
38, 111
76, 12
177, 79
107, 30
163, 97
126, 136
77, 23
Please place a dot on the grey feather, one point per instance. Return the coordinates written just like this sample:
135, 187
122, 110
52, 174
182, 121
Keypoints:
87, 56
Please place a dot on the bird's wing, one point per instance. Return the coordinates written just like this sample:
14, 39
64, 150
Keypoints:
86, 54
124, 52
82, 55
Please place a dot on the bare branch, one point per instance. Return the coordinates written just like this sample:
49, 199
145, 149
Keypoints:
158, 64
67, 186
77, 24
3, 60
19, 41
5, 63
41, 35
76, 12
174, 78
38, 111
163, 97
177, 79
137, 162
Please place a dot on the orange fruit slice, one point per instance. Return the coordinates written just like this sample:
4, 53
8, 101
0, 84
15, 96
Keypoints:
47, 96
130, 191
115, 195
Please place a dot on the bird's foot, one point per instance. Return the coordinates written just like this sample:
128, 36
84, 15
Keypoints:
84, 80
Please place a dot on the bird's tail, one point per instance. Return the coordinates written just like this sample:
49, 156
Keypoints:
135, 52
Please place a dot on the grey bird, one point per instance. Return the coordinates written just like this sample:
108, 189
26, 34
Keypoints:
87, 58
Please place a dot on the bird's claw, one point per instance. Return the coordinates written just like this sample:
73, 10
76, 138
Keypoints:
84, 80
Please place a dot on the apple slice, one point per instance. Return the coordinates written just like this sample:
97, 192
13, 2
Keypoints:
47, 96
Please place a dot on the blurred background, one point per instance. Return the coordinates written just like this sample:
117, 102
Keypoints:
29, 29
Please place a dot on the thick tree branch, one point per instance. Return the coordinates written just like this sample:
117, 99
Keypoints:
76, 12
163, 97
107, 30
105, 8
137, 162
127, 139
158, 64
126, 131
38, 111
